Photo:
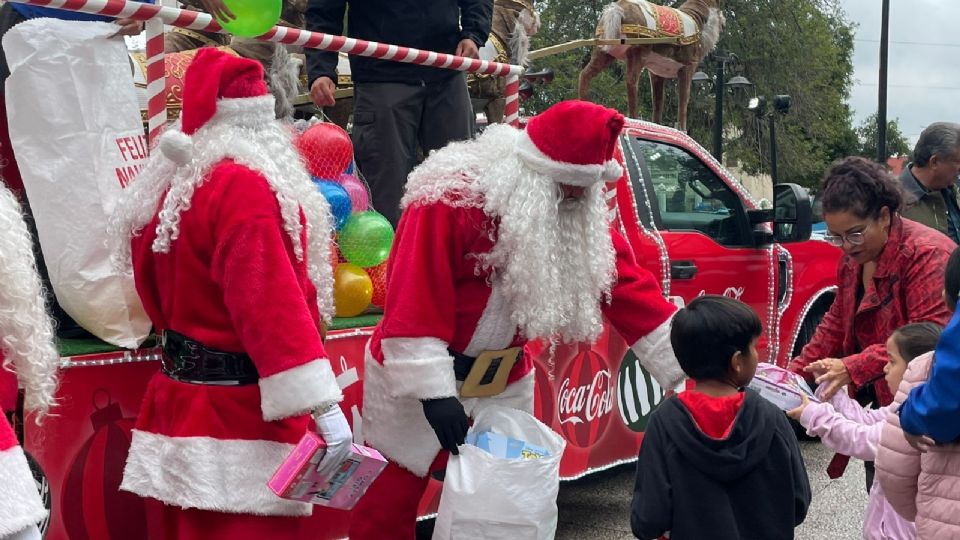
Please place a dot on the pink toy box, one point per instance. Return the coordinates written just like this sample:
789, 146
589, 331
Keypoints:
297, 477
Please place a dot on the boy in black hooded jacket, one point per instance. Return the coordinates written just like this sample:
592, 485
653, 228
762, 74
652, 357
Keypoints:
718, 462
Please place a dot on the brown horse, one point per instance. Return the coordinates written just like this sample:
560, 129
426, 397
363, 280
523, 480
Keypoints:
696, 24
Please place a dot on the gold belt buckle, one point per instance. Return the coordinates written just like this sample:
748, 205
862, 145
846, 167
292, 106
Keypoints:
472, 386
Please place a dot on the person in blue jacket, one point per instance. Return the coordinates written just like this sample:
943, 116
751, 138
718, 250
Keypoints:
929, 415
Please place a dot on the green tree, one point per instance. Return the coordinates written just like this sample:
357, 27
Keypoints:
867, 134
798, 47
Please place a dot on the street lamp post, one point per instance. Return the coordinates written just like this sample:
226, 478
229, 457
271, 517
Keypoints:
719, 84
781, 106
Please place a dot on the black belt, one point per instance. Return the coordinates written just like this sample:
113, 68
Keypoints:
190, 361
462, 364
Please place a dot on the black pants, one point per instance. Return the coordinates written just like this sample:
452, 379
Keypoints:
395, 124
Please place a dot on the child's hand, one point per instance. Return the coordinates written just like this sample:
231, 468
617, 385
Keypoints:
920, 442
795, 413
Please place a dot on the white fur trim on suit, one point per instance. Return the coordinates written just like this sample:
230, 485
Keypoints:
495, 329
656, 356
20, 503
419, 368
209, 474
299, 390
397, 428
561, 172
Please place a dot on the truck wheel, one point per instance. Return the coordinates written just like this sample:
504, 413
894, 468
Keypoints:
807, 330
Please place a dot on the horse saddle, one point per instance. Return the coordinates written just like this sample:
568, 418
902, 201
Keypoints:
658, 22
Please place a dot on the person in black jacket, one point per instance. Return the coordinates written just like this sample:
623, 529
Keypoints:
399, 107
718, 462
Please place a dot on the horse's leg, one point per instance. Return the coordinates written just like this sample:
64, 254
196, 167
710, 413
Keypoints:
684, 80
634, 68
599, 61
656, 88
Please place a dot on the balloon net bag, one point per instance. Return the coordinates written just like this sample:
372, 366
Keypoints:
364, 237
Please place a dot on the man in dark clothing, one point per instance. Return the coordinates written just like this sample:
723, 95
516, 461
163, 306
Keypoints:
718, 462
399, 107
930, 182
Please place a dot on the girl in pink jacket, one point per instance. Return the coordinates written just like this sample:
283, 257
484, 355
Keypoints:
922, 483
843, 425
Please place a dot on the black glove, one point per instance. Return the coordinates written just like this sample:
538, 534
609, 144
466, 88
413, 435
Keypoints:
448, 420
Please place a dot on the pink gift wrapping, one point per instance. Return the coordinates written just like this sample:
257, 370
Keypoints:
298, 479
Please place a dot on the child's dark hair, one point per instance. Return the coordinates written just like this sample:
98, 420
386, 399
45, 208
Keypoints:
915, 339
860, 186
706, 334
951, 280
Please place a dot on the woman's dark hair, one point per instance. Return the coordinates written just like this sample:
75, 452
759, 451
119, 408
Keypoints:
706, 334
951, 280
915, 339
861, 186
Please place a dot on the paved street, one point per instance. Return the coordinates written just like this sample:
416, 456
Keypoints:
598, 507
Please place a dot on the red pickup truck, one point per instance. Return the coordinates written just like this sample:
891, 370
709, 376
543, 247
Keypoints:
688, 220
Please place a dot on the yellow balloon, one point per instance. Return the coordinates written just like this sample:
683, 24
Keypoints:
352, 290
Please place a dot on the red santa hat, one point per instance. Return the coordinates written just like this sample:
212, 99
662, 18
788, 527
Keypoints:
217, 88
573, 142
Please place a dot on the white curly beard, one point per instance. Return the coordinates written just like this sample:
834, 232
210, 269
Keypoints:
554, 258
26, 330
263, 146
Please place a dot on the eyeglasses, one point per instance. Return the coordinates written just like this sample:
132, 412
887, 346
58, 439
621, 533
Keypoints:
837, 240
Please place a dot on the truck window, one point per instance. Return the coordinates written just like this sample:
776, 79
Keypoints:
688, 195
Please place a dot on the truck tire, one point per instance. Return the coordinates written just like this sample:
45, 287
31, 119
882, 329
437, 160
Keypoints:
807, 330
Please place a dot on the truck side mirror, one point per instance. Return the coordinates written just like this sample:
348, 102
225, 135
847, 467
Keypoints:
792, 214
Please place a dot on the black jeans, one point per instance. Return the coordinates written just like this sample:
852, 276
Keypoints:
395, 124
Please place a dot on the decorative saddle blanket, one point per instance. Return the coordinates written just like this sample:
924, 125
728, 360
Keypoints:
660, 22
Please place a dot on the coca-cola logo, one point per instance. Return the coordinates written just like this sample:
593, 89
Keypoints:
585, 398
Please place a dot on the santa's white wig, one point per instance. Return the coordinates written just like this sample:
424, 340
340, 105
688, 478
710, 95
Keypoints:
26, 329
243, 130
554, 257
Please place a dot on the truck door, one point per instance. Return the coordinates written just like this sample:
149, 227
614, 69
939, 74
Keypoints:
704, 225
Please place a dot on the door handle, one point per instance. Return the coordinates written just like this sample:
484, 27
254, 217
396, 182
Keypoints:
683, 270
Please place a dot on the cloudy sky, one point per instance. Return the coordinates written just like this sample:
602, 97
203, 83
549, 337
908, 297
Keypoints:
924, 72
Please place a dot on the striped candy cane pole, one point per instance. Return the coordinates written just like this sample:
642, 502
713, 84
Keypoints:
511, 111
156, 82
280, 34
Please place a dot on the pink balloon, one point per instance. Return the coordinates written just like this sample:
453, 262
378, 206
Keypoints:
357, 190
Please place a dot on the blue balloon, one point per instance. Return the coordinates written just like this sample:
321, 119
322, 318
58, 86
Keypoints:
350, 167
339, 200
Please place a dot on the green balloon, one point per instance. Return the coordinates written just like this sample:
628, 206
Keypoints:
253, 17
365, 239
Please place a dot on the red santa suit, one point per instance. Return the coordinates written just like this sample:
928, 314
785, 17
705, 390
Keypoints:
443, 297
28, 359
229, 259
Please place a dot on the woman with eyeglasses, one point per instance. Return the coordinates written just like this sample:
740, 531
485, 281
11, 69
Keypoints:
891, 274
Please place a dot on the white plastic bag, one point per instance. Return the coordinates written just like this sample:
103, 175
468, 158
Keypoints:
78, 138
485, 497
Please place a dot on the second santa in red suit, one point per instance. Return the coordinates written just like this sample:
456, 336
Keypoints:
230, 257
503, 239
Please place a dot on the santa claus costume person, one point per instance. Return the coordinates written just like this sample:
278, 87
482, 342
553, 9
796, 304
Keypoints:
29, 357
230, 244
502, 240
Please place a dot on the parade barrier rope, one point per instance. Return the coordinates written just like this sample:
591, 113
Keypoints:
183, 18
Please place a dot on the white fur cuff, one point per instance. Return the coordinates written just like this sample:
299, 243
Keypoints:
656, 356
419, 368
298, 390
20, 504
